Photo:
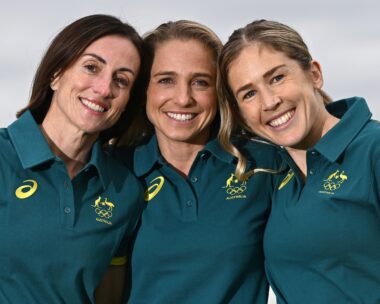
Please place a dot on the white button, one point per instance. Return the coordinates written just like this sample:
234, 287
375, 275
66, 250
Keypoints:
67, 210
194, 179
189, 203
311, 172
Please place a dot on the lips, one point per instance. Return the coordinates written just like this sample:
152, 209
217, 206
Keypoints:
95, 106
282, 120
181, 116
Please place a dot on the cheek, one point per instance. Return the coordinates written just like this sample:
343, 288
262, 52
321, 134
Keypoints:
250, 115
149, 108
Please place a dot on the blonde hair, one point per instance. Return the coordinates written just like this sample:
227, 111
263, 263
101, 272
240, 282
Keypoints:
141, 129
278, 36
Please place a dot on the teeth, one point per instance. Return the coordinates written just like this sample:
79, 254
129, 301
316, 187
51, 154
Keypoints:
281, 120
181, 117
92, 105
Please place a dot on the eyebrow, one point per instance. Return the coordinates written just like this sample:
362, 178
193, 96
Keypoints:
172, 73
102, 60
266, 75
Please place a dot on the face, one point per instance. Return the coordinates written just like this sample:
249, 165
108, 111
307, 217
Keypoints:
277, 99
92, 93
181, 96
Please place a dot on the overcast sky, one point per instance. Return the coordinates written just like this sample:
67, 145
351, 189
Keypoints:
342, 35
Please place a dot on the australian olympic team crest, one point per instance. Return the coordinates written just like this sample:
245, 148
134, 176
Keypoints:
333, 182
235, 189
103, 208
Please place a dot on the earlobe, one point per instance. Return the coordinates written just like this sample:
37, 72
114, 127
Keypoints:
54, 82
316, 72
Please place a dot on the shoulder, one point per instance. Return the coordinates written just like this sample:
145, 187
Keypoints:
118, 167
259, 151
6, 146
124, 155
369, 136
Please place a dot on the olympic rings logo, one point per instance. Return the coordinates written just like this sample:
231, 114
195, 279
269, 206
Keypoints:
103, 213
331, 186
236, 190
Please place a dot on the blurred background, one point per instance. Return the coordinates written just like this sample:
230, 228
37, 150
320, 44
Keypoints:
342, 35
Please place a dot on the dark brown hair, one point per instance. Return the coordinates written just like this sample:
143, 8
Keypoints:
65, 49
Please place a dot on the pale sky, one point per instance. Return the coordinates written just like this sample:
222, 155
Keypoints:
342, 35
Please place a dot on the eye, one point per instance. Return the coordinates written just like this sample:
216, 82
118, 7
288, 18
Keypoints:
200, 83
248, 95
92, 68
277, 78
166, 80
121, 82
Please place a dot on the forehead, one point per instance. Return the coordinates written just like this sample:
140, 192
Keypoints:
259, 54
254, 60
184, 52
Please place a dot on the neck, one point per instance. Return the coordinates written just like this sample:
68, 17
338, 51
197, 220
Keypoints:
298, 153
180, 155
73, 146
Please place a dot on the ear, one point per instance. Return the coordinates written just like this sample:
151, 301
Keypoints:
316, 74
54, 84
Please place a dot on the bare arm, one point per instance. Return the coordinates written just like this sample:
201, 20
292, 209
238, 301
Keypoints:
111, 288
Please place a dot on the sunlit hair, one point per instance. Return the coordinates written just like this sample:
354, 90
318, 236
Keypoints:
278, 36
141, 129
65, 49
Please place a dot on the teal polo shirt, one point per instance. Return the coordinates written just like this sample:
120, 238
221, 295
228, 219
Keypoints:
200, 238
57, 235
322, 238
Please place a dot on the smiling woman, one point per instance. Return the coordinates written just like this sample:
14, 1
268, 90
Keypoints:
92, 94
71, 208
321, 240
200, 236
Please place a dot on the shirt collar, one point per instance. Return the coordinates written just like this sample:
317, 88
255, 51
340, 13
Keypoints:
99, 160
29, 142
33, 149
148, 155
354, 114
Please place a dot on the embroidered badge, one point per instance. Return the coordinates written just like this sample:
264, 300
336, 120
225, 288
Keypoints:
104, 210
235, 188
156, 185
286, 180
333, 182
26, 190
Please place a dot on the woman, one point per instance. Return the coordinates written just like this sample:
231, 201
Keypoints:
200, 238
321, 241
70, 208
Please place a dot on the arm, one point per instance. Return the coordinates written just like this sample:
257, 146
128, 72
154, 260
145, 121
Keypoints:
111, 288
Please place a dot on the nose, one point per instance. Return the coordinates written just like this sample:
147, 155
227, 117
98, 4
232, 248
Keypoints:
269, 100
103, 86
183, 95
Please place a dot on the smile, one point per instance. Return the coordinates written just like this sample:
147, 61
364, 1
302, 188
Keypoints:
181, 117
93, 106
283, 119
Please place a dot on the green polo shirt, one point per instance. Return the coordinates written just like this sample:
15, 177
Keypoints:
322, 238
200, 239
58, 235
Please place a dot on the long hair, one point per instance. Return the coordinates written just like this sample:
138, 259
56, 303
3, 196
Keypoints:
65, 49
276, 35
